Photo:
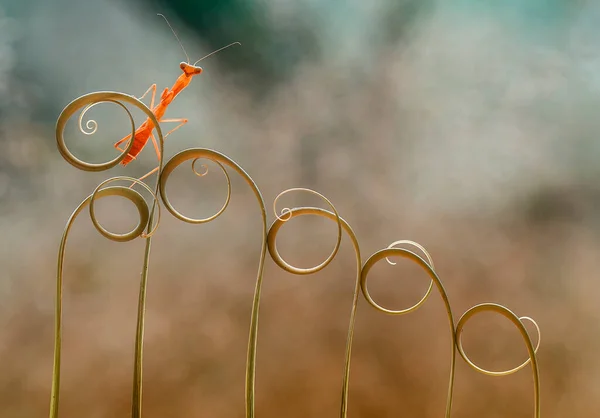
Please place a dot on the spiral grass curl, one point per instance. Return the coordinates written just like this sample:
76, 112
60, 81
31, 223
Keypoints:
148, 223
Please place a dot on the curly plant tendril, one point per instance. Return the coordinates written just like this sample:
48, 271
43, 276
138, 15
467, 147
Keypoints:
222, 160
334, 216
204, 168
88, 101
456, 333
425, 296
141, 205
172, 165
428, 267
518, 322
91, 124
286, 215
146, 221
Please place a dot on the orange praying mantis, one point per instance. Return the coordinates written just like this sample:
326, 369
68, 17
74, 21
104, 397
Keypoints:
144, 132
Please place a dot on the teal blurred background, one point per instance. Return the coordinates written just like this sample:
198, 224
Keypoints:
467, 126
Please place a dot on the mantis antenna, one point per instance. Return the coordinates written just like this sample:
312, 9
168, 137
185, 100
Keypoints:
214, 52
177, 37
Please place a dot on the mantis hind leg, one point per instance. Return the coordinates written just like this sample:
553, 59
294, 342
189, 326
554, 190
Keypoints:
126, 139
156, 148
153, 90
154, 170
146, 175
181, 123
155, 143
152, 98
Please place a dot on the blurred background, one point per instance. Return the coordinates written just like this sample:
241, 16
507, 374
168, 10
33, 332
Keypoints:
467, 126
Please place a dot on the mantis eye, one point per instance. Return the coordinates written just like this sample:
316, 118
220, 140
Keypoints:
182, 66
